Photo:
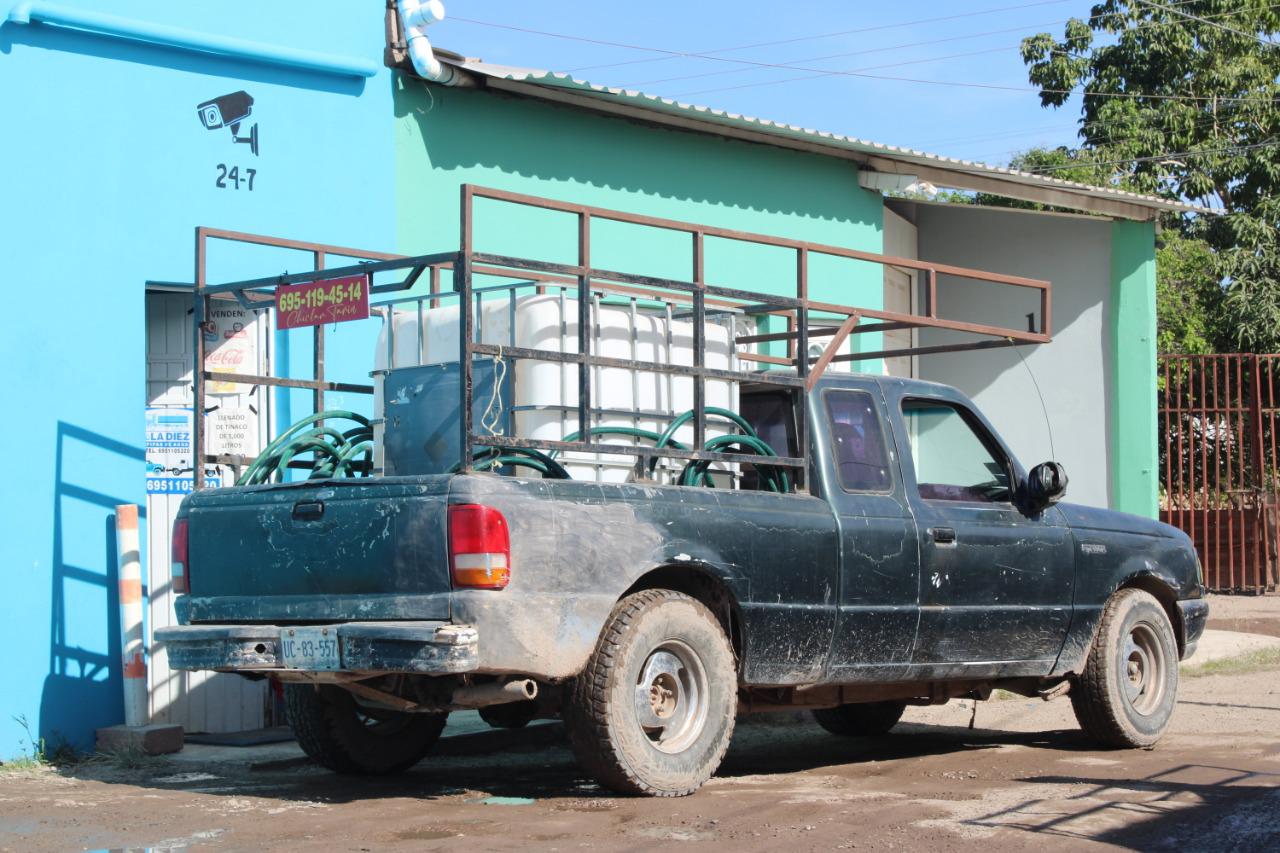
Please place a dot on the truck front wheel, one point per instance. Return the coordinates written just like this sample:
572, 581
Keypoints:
653, 711
339, 734
1126, 694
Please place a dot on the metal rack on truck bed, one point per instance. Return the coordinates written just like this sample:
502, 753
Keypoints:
695, 298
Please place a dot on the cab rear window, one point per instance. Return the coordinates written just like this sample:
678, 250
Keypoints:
857, 442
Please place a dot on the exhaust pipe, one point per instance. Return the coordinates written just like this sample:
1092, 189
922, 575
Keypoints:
495, 693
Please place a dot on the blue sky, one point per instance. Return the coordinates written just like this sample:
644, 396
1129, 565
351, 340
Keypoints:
971, 123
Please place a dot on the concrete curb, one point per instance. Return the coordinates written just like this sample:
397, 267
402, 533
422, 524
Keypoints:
1220, 645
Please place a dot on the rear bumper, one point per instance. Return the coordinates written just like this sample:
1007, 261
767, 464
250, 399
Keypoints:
1195, 612
428, 648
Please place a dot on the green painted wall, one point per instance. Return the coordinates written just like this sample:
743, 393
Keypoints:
1134, 465
446, 137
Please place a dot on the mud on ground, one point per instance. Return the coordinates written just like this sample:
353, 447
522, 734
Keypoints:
1023, 776
1250, 614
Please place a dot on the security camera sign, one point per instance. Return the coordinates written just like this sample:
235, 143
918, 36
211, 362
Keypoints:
316, 303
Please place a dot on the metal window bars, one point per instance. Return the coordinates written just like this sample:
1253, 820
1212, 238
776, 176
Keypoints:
695, 298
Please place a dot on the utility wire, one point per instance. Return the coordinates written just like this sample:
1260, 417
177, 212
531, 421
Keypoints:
818, 72
1018, 29
818, 36
925, 60
860, 71
1177, 155
993, 87
723, 72
1167, 8
1141, 121
1224, 118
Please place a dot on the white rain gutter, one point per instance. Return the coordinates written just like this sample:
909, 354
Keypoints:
415, 17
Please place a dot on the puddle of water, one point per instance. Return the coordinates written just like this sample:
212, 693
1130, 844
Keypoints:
169, 845
182, 778
504, 801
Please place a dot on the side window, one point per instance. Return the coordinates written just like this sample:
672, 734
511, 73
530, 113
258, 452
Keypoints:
952, 460
858, 442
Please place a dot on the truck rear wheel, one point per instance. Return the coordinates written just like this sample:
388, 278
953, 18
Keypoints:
653, 711
339, 734
1126, 694
865, 719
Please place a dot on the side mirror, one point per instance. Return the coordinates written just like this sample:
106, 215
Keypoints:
1046, 484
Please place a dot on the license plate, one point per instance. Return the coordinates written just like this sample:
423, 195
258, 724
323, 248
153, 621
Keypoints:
310, 648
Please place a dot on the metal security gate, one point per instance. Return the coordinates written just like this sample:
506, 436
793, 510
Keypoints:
1219, 463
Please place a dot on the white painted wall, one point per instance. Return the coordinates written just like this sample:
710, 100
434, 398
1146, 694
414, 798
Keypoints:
1073, 372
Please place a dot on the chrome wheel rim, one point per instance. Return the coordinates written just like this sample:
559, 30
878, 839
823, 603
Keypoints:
1142, 669
671, 697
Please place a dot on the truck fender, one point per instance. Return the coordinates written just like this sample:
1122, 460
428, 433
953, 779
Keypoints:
1084, 627
719, 586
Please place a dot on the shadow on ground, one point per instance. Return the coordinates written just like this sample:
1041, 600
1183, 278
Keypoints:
1186, 807
537, 763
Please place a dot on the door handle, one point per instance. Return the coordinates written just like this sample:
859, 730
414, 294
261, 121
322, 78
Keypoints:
944, 535
308, 511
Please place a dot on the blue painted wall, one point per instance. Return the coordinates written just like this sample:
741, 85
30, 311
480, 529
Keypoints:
107, 172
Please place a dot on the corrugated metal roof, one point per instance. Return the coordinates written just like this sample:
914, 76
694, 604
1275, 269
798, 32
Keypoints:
878, 152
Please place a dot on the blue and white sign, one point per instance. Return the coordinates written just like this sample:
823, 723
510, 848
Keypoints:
169, 455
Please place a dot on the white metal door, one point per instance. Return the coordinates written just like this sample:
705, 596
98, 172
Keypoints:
198, 701
900, 241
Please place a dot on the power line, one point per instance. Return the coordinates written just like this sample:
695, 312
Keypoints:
858, 71
838, 56
1177, 155
817, 72
989, 86
991, 156
925, 60
835, 34
1164, 8
1017, 29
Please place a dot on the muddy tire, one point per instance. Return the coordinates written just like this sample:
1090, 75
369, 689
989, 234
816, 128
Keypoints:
340, 735
653, 711
1126, 694
865, 719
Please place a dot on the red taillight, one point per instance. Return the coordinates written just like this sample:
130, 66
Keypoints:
179, 568
479, 547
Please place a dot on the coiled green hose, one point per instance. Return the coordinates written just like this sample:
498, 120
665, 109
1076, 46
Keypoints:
333, 452
488, 458
697, 473
775, 478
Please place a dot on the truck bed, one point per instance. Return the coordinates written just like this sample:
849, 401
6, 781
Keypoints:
377, 550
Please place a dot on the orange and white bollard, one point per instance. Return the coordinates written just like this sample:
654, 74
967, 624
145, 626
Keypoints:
132, 646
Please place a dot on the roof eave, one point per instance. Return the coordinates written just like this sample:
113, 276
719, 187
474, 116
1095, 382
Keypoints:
940, 171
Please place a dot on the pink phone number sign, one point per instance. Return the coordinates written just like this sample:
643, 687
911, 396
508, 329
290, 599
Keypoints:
315, 303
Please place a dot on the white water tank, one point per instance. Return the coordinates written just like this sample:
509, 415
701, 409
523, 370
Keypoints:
545, 394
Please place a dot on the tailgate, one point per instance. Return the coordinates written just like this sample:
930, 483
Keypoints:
332, 550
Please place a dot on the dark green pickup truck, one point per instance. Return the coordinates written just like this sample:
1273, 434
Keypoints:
920, 563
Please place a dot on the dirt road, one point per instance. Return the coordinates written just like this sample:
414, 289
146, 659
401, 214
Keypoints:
1022, 776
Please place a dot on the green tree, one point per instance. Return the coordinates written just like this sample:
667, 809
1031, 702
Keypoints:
1189, 298
1182, 99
